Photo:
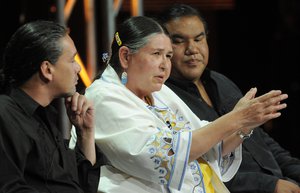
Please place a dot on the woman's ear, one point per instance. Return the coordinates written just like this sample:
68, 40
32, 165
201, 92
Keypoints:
124, 56
46, 71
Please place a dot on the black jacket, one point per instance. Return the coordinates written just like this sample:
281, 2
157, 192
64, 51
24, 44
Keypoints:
264, 161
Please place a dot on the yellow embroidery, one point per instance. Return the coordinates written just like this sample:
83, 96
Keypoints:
161, 145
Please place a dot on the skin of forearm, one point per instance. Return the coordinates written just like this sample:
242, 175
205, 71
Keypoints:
233, 141
230, 143
86, 143
205, 138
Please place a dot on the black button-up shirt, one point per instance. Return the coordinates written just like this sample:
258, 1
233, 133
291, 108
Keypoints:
34, 156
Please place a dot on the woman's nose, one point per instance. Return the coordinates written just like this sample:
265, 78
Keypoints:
163, 63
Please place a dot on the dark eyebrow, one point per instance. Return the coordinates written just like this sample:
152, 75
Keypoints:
174, 36
201, 34
177, 36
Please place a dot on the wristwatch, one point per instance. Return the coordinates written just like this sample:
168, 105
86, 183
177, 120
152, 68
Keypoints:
243, 135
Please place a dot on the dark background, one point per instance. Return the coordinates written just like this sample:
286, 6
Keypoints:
255, 43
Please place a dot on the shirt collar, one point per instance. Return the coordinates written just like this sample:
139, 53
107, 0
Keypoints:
111, 76
186, 84
23, 100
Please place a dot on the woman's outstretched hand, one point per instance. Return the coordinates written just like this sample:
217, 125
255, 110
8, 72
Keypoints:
258, 110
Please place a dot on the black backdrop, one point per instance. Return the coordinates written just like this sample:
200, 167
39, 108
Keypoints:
257, 43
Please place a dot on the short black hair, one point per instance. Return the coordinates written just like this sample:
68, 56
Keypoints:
176, 11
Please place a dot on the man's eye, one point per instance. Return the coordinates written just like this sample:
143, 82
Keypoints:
200, 38
177, 41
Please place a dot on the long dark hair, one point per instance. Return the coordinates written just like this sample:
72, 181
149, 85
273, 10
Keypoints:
133, 33
28, 47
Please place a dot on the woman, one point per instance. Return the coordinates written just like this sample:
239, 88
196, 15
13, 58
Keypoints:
152, 139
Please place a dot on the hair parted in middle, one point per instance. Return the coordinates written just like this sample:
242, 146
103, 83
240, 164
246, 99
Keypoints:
133, 33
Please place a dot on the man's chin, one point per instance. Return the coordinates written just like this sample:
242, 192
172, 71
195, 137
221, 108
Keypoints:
69, 94
192, 75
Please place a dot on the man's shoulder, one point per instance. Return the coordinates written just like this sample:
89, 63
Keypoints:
222, 81
8, 107
6, 102
219, 76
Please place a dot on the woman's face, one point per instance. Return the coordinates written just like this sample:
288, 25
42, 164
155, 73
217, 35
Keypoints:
150, 66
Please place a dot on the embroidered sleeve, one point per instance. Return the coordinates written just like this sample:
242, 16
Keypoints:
169, 148
229, 163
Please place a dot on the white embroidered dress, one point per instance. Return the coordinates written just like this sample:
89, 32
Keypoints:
137, 138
